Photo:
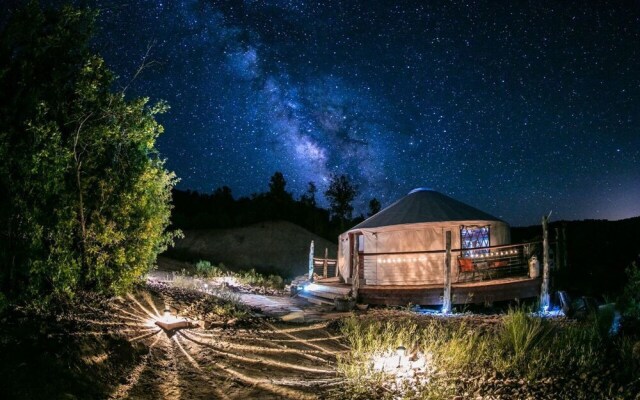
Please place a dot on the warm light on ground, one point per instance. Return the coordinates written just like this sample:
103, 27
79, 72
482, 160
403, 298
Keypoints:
401, 369
270, 360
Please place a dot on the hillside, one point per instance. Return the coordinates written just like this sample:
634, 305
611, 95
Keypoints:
274, 246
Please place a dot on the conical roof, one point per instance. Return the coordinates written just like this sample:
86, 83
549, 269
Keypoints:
425, 205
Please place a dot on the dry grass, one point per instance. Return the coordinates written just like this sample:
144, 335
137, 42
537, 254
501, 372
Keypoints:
519, 346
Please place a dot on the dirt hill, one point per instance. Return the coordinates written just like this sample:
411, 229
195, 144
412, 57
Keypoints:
275, 246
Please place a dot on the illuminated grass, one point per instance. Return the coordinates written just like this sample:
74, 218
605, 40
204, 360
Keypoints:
517, 345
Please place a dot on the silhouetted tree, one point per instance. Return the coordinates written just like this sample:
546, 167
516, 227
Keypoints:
222, 195
340, 194
309, 198
277, 187
374, 207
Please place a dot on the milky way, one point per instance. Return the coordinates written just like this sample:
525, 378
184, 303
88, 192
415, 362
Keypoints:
517, 109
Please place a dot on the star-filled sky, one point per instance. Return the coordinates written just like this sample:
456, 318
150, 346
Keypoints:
517, 108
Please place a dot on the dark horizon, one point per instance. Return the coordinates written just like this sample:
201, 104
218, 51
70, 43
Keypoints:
359, 216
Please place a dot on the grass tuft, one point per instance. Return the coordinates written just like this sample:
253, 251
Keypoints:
518, 345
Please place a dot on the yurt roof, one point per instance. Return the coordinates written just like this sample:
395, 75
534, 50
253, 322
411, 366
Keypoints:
424, 205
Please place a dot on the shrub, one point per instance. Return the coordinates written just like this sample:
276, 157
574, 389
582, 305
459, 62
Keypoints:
522, 341
230, 305
630, 299
4, 304
83, 187
254, 278
206, 270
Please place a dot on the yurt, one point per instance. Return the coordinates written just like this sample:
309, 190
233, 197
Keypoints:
399, 255
400, 237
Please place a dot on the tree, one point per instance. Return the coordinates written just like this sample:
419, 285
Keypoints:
277, 188
374, 207
309, 198
340, 195
85, 194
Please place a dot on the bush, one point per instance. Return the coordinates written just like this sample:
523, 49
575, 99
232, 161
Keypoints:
630, 299
4, 304
254, 278
83, 187
206, 270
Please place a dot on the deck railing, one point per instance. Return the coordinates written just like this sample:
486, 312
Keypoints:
325, 267
471, 265
494, 263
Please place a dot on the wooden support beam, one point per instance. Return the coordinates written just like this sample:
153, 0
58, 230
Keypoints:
311, 261
356, 267
446, 301
544, 292
324, 263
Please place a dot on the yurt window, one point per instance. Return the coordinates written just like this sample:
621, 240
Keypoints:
473, 237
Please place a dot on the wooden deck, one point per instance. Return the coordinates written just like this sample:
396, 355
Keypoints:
461, 293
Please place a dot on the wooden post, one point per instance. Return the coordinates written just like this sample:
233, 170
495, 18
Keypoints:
311, 261
325, 273
544, 292
446, 301
356, 269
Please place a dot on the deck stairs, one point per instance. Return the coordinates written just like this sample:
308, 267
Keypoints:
324, 293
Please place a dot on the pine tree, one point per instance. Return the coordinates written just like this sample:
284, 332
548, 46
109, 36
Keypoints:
340, 194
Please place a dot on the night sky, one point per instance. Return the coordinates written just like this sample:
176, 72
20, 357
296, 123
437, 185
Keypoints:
516, 108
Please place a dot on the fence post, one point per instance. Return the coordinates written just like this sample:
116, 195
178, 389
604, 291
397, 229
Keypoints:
446, 301
325, 273
544, 292
311, 261
356, 277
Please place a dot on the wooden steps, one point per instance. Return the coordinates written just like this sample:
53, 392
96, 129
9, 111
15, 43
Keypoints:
319, 293
315, 299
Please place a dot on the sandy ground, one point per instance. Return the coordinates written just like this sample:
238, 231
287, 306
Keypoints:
267, 359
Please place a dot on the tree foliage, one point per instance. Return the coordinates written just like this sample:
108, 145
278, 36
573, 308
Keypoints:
277, 188
374, 207
85, 196
630, 299
309, 197
340, 194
